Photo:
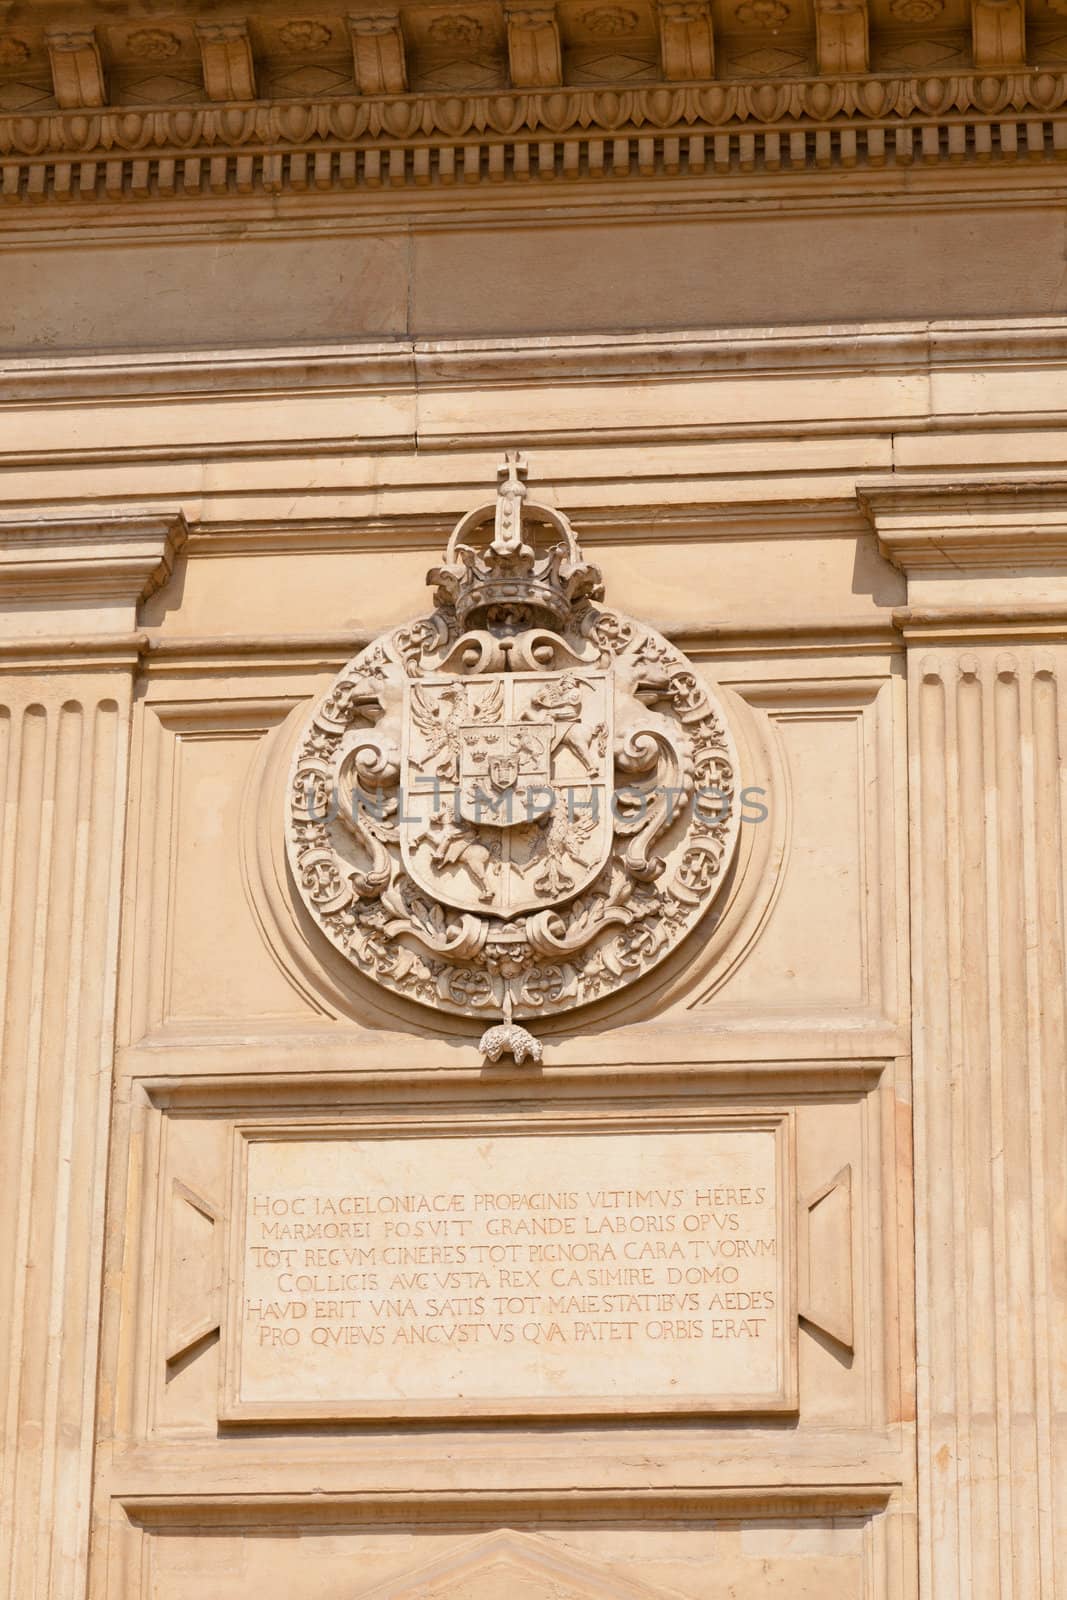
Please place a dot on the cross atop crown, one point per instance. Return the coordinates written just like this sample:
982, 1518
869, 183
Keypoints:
511, 492
528, 573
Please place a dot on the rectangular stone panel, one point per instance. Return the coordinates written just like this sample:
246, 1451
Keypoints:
832, 1545
585, 1268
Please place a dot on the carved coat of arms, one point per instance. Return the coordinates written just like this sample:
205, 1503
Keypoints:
518, 803
510, 778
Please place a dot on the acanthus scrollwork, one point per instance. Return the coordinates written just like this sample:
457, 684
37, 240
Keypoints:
521, 802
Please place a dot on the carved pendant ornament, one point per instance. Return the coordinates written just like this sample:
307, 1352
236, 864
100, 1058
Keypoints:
521, 802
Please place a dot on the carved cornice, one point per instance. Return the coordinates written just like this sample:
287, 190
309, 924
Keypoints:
985, 557
929, 625
110, 561
365, 366
931, 526
420, 142
480, 1504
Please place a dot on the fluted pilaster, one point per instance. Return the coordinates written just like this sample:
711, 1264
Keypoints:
987, 675
64, 727
989, 1016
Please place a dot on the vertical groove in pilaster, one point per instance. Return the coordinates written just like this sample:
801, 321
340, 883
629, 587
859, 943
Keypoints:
990, 1124
81, 1133
25, 835
1048, 1125
59, 882
105, 834
973, 1068
1018, 1444
936, 1323
47, 1222
8, 1081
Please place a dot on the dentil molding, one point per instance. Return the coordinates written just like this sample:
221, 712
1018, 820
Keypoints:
420, 142
102, 103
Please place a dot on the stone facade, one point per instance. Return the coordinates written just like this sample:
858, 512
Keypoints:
631, 1199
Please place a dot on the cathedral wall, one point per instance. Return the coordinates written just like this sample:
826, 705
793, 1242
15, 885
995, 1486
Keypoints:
854, 530
559, 267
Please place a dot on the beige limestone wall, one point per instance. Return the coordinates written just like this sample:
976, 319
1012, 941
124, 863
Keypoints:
748, 493
697, 259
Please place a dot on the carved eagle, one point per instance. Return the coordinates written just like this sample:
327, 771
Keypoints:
440, 719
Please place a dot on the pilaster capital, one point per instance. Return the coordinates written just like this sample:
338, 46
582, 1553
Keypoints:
74, 573
984, 547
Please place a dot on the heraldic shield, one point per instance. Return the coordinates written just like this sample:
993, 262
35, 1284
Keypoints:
507, 787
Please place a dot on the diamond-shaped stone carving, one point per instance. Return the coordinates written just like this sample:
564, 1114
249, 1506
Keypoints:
20, 96
614, 68
311, 81
460, 73
921, 53
769, 63
521, 1566
163, 89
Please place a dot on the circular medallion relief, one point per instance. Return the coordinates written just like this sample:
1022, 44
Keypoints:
521, 802
13, 52
153, 44
455, 29
304, 33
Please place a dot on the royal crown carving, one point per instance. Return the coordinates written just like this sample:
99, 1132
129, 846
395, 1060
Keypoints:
523, 801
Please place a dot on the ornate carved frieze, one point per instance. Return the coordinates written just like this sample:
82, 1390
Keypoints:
521, 802
499, 94
860, 124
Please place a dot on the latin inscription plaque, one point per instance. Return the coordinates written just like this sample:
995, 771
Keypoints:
487, 1271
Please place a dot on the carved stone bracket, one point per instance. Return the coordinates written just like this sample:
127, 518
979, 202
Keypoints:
77, 71
998, 30
535, 57
841, 32
378, 53
226, 55
686, 40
